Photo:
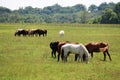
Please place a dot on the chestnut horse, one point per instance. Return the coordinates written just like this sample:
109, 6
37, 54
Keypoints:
38, 32
20, 32
44, 31
98, 47
59, 49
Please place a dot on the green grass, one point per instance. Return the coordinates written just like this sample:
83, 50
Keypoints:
29, 58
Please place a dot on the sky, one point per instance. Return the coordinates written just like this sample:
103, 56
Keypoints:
16, 4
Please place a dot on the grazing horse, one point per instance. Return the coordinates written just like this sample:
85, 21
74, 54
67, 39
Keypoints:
44, 31
59, 49
78, 49
20, 32
97, 47
38, 32
56, 47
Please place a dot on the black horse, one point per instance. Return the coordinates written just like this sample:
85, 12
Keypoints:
54, 48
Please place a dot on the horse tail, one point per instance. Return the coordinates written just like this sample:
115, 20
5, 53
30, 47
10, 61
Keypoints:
105, 48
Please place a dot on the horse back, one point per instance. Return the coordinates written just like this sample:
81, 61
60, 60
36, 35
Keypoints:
97, 47
74, 48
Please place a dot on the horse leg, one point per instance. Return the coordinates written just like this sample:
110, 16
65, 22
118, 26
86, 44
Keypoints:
62, 57
52, 53
39, 35
79, 57
92, 54
109, 56
59, 56
65, 58
76, 55
55, 54
104, 56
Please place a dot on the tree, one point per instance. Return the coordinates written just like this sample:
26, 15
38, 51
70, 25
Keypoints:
4, 10
102, 6
117, 10
79, 7
57, 14
93, 8
109, 16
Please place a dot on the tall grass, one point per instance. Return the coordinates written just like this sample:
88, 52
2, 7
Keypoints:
29, 58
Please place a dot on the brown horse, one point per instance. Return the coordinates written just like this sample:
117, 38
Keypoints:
44, 31
20, 32
98, 47
38, 32
59, 49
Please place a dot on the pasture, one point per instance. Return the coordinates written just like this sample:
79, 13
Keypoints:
29, 58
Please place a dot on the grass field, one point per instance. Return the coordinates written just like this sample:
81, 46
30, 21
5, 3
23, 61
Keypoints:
29, 58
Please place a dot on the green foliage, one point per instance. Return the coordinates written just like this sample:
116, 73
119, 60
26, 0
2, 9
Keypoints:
4, 10
109, 17
117, 10
93, 8
57, 14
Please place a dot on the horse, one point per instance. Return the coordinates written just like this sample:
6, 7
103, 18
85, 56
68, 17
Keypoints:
56, 47
78, 49
44, 31
98, 47
20, 32
38, 32
59, 49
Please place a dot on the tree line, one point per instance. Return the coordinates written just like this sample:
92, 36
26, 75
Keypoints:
105, 13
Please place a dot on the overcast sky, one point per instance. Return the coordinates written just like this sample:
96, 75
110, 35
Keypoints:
16, 4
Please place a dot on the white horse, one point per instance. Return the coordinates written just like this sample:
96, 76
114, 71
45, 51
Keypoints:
61, 33
78, 49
